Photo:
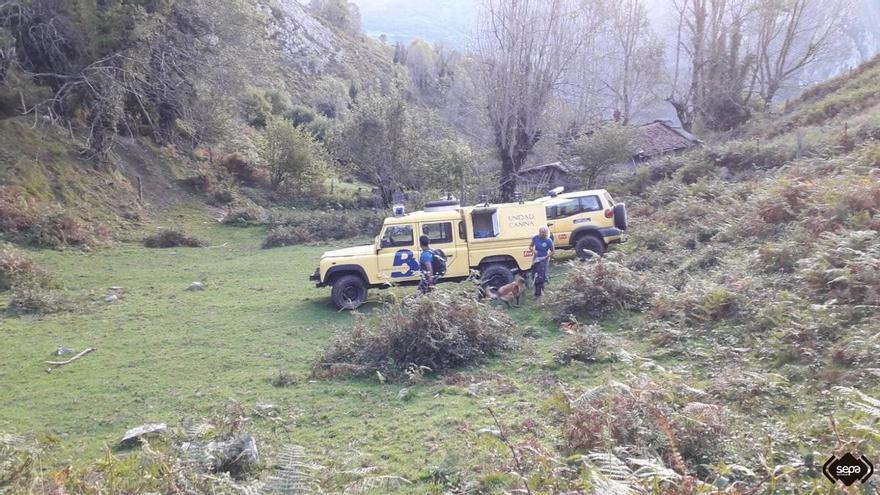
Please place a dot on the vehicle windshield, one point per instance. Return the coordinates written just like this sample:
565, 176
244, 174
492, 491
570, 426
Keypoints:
398, 235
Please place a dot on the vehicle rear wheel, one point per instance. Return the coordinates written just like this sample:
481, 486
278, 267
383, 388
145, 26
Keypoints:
349, 292
495, 276
587, 245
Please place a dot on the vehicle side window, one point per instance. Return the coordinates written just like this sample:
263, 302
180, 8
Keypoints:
397, 236
609, 199
438, 233
462, 231
561, 210
590, 203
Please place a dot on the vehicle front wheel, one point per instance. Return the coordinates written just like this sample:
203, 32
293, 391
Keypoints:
349, 292
495, 276
587, 245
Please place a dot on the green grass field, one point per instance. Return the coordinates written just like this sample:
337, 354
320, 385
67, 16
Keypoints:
165, 354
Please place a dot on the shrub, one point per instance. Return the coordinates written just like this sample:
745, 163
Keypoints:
55, 229
695, 170
29, 223
642, 416
244, 170
699, 302
596, 288
698, 430
284, 378
581, 346
300, 115
869, 154
436, 333
169, 238
244, 215
616, 414
321, 226
739, 156
223, 196
32, 299
283, 235
17, 269
779, 257
845, 266
860, 349
295, 158
201, 183
17, 211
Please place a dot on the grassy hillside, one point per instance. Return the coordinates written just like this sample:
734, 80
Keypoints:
730, 346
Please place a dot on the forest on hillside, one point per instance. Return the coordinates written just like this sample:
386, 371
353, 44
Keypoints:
300, 91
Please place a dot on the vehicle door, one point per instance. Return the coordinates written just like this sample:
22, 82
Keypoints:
560, 219
591, 212
398, 257
442, 235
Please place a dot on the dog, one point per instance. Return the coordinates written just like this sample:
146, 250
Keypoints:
511, 292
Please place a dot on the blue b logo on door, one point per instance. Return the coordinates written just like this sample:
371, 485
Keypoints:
405, 258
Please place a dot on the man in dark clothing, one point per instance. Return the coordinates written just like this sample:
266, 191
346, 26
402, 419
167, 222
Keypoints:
426, 264
542, 249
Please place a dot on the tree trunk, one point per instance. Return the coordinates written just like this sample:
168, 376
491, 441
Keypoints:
508, 177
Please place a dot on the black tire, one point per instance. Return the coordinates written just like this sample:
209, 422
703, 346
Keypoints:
620, 219
588, 244
495, 276
349, 292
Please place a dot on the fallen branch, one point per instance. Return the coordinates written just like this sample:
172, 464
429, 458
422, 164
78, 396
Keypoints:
516, 461
74, 358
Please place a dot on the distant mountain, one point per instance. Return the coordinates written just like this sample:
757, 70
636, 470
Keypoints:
452, 21
445, 21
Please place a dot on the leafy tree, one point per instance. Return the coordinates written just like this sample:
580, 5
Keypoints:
598, 152
292, 154
331, 97
255, 106
344, 15
422, 65
397, 146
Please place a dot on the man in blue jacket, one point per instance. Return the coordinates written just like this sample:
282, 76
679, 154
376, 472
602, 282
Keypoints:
426, 264
542, 249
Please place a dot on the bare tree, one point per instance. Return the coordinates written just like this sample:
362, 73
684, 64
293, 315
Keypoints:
154, 79
710, 66
526, 47
634, 57
790, 35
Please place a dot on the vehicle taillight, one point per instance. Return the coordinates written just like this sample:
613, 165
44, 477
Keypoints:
609, 213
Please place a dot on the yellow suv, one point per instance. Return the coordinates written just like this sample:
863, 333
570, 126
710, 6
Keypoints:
586, 221
493, 239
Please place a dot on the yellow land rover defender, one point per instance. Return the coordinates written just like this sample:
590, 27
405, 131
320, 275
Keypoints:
493, 239
586, 221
